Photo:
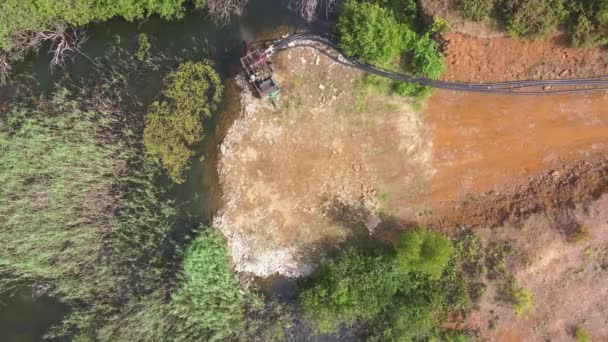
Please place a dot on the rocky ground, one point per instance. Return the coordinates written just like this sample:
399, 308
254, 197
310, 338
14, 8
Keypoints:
297, 177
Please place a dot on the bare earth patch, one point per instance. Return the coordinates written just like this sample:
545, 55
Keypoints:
568, 278
298, 177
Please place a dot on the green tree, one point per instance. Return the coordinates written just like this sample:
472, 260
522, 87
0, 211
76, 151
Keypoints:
423, 251
371, 32
174, 124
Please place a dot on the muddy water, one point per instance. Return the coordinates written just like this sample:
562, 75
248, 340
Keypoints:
25, 318
482, 141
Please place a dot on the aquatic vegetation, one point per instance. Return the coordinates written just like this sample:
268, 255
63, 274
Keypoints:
174, 124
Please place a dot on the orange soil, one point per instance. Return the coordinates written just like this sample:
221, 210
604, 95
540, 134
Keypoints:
480, 141
484, 142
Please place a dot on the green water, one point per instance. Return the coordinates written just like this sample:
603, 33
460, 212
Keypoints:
26, 318
23, 317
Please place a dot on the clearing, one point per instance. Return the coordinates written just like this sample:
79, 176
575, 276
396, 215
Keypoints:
338, 153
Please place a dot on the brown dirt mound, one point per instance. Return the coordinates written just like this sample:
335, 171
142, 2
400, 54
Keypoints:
568, 186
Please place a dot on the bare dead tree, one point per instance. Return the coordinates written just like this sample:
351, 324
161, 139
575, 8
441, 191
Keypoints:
66, 45
65, 41
308, 9
221, 10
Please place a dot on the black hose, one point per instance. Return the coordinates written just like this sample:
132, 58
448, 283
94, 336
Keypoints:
588, 84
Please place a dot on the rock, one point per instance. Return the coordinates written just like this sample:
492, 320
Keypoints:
372, 222
317, 60
322, 87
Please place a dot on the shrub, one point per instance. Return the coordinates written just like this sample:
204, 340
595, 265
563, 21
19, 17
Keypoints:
423, 251
208, 304
476, 10
589, 22
427, 62
581, 334
192, 92
370, 32
522, 301
530, 18
143, 47
404, 10
354, 286
410, 319
462, 279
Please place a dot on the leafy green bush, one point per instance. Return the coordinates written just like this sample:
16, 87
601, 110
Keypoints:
404, 10
423, 251
208, 303
476, 10
192, 92
354, 286
427, 61
370, 32
378, 32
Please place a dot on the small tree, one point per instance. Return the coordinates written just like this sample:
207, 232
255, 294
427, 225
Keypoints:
371, 32
175, 123
423, 251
